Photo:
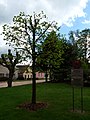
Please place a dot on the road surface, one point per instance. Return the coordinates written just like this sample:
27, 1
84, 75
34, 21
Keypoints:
18, 83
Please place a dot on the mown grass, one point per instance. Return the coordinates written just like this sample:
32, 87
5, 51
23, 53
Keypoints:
57, 95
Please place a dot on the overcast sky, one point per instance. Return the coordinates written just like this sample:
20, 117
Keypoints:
70, 14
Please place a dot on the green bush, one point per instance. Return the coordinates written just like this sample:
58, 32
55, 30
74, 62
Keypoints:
61, 75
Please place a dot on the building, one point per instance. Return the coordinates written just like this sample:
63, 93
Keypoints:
21, 72
25, 72
4, 72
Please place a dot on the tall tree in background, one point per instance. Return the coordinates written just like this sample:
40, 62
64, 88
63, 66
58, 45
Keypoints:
80, 40
50, 57
83, 41
9, 61
26, 32
73, 46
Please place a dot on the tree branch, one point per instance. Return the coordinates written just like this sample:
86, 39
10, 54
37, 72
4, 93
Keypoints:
43, 32
26, 31
25, 49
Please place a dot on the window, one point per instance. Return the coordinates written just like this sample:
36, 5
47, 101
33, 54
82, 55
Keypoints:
41, 74
7, 75
1, 74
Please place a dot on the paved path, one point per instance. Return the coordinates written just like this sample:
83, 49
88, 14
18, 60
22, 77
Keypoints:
18, 83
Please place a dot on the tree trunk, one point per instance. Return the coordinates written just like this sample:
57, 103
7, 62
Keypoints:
33, 72
46, 76
9, 83
34, 88
10, 79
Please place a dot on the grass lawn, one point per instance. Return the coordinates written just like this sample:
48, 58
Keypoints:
58, 96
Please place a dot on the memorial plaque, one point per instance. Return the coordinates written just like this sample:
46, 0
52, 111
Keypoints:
77, 77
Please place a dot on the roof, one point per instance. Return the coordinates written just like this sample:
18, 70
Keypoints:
24, 63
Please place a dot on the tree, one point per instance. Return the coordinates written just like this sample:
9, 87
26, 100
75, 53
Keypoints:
26, 33
9, 61
50, 57
73, 45
83, 42
80, 40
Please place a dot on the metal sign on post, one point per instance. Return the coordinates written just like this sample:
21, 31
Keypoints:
77, 81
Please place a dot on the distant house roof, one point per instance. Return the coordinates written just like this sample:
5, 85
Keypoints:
22, 68
24, 63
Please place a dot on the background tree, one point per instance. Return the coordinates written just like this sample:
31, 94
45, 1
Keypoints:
50, 58
73, 45
9, 61
83, 41
27, 32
